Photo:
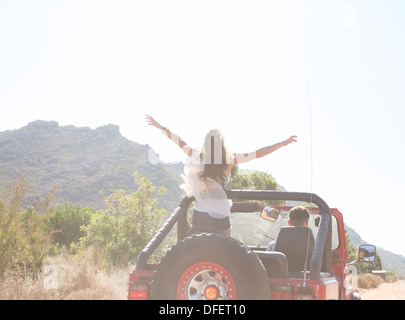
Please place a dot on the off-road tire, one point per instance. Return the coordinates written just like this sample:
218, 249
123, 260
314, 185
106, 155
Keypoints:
241, 273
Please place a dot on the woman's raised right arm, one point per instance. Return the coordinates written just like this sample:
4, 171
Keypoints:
172, 136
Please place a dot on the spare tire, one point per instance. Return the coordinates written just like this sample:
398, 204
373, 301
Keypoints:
209, 267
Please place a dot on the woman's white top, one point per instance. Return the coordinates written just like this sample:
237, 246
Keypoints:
209, 196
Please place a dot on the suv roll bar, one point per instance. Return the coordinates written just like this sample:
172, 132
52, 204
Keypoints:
179, 215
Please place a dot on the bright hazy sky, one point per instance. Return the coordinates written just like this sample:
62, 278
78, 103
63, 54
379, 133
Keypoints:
249, 68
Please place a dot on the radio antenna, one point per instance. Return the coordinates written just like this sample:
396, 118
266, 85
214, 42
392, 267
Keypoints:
304, 283
310, 125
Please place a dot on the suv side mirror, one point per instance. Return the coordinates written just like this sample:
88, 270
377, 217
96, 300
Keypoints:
367, 253
270, 213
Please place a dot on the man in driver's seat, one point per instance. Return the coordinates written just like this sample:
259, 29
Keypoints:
295, 241
298, 217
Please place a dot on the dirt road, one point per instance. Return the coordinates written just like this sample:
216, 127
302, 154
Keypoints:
385, 291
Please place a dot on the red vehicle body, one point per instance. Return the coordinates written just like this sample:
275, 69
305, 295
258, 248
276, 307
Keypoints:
325, 279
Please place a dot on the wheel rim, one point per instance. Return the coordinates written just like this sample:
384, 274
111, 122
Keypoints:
206, 281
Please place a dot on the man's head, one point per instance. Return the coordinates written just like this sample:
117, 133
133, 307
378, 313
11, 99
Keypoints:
299, 217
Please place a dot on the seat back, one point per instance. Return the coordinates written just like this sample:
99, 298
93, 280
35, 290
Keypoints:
275, 263
297, 243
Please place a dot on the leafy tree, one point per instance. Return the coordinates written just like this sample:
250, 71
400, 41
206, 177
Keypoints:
67, 222
131, 220
253, 180
351, 250
34, 240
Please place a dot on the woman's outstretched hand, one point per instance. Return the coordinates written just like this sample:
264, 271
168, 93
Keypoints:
153, 122
289, 140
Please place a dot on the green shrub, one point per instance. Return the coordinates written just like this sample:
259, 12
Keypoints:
24, 242
67, 222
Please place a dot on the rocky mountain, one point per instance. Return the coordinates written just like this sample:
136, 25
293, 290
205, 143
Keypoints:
81, 162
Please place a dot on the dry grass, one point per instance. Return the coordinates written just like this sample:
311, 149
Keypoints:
369, 281
68, 277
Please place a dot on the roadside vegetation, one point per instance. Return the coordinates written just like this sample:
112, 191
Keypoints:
69, 251
74, 252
